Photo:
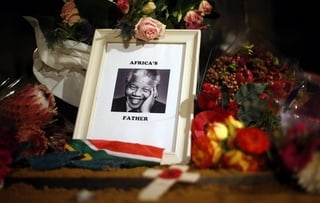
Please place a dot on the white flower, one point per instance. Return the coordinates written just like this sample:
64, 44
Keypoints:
309, 176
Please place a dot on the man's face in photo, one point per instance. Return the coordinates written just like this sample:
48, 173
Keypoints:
138, 90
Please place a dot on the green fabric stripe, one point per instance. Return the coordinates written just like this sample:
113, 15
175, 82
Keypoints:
82, 147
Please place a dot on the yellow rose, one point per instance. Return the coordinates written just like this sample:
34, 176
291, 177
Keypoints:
149, 8
233, 124
217, 131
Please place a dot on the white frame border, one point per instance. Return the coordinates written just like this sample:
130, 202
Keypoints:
191, 39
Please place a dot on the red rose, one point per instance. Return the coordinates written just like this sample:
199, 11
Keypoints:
209, 97
252, 140
124, 6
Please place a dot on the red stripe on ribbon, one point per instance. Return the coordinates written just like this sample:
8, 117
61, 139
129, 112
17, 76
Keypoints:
129, 148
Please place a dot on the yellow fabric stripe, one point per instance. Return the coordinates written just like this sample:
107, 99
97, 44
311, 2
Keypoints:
87, 157
69, 148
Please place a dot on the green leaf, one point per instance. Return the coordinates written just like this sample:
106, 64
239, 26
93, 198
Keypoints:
251, 106
254, 111
250, 91
225, 96
251, 111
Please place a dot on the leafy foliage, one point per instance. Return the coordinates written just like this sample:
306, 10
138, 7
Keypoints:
254, 111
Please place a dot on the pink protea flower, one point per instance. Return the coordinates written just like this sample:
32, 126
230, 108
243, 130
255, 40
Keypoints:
35, 137
30, 104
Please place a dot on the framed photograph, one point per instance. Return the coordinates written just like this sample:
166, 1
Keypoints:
141, 93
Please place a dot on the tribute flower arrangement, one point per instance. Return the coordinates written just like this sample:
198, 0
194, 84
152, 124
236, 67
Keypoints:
299, 153
221, 141
238, 110
142, 19
254, 113
298, 144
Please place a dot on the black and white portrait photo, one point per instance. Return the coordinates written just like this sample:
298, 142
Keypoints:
141, 90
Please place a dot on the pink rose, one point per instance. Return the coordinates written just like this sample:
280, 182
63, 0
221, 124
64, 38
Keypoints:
124, 6
70, 13
205, 8
193, 20
148, 29
193, 17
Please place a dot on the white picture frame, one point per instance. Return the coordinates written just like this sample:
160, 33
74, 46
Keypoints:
176, 57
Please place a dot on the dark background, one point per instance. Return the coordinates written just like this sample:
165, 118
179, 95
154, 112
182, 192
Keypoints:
17, 36
291, 26
296, 31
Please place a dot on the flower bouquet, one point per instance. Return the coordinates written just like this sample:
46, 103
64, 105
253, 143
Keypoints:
238, 109
64, 41
29, 123
297, 146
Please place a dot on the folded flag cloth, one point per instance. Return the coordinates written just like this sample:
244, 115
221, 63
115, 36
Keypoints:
99, 154
102, 148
